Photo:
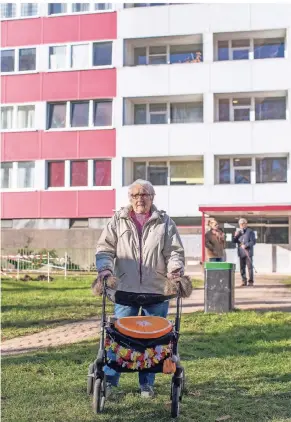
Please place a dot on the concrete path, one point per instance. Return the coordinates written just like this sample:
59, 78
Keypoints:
268, 294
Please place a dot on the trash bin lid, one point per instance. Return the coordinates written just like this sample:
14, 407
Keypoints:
219, 266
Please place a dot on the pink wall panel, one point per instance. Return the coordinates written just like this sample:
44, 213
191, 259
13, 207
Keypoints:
59, 86
59, 29
65, 204
58, 204
21, 88
98, 143
59, 145
101, 84
20, 205
19, 146
21, 32
96, 203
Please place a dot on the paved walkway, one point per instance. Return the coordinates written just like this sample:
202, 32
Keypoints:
268, 294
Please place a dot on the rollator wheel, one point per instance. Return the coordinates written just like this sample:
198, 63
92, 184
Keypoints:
175, 396
90, 379
99, 395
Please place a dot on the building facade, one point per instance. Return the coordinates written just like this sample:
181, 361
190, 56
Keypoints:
195, 98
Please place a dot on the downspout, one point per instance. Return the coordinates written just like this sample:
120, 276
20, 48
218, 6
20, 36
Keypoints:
203, 237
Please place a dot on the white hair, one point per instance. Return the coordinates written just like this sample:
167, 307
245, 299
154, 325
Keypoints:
145, 184
242, 221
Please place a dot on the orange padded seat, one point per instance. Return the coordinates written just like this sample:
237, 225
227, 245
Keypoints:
143, 326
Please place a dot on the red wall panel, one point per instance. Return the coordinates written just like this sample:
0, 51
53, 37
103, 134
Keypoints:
65, 204
21, 146
59, 29
59, 86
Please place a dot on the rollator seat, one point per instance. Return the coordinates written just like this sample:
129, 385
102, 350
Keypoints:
143, 327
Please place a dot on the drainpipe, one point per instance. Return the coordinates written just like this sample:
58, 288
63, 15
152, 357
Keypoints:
203, 237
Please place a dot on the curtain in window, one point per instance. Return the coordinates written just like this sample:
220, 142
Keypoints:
25, 117
8, 10
6, 175
58, 57
79, 173
187, 113
103, 6
102, 173
80, 7
25, 175
80, 56
29, 9
102, 113
56, 174
7, 117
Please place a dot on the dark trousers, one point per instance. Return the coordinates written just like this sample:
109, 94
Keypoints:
246, 261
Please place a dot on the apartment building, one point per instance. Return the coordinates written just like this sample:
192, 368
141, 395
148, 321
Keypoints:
193, 97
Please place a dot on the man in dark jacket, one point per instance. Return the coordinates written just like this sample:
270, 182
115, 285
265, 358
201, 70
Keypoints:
246, 240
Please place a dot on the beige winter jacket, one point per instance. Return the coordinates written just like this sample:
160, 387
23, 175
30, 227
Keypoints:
119, 250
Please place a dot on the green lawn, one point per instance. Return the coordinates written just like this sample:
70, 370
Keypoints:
29, 307
237, 364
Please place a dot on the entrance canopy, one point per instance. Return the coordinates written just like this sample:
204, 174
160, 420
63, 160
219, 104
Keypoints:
238, 211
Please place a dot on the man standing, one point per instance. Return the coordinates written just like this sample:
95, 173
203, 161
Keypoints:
246, 240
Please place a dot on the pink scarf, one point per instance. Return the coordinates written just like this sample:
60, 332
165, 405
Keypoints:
140, 220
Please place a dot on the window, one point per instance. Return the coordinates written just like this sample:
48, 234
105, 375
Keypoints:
158, 114
158, 173
8, 10
27, 59
223, 110
186, 53
223, 50
80, 56
139, 171
224, 171
241, 109
79, 173
7, 60
140, 56
158, 55
57, 115
6, 175
271, 170
56, 174
80, 7
25, 175
186, 173
269, 48
7, 117
102, 173
56, 8
25, 117
140, 114
79, 223
57, 57
102, 113
29, 9
80, 114
103, 6
102, 54
272, 108
240, 49
186, 112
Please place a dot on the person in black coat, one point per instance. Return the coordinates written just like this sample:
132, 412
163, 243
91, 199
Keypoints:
245, 238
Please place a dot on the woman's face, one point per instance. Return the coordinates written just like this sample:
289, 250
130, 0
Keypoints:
214, 225
140, 200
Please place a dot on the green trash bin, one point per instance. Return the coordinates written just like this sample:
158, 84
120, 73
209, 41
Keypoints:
219, 283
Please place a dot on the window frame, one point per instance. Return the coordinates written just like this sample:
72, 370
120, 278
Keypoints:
16, 59
67, 178
251, 55
68, 105
85, 12
253, 97
167, 55
14, 177
168, 113
15, 117
168, 162
69, 49
252, 168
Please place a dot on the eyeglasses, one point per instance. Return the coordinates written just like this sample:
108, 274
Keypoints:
140, 195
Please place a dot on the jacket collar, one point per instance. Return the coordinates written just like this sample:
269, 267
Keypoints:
155, 213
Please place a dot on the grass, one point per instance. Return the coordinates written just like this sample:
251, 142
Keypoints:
29, 307
237, 364
287, 282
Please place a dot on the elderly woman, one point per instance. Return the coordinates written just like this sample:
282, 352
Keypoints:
142, 247
215, 242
